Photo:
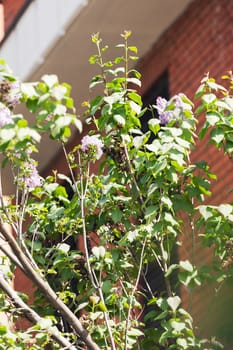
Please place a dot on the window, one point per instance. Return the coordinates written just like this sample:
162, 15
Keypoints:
159, 88
152, 279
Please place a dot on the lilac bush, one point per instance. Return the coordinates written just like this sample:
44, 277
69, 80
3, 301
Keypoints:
87, 240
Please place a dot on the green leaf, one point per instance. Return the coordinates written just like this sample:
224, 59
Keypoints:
212, 118
64, 178
63, 247
40, 337
169, 218
106, 286
102, 307
119, 60
45, 323
59, 92
22, 123
154, 147
98, 79
171, 268
60, 192
135, 73
134, 332
138, 141
135, 97
217, 135
215, 86
29, 89
99, 252
7, 135
174, 302
209, 98
133, 49
81, 306
178, 326
182, 342
225, 209
95, 104
159, 166
3, 329
151, 315
154, 125
205, 211
151, 210
135, 107
119, 120
182, 203
27, 132
50, 79
116, 215
166, 200
134, 81
186, 265
77, 122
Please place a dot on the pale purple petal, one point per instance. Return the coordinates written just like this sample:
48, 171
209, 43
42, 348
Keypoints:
31, 179
165, 117
14, 95
90, 142
5, 116
161, 104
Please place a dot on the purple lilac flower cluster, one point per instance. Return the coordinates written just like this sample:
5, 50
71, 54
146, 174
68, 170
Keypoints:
31, 178
164, 116
5, 115
10, 93
90, 143
14, 94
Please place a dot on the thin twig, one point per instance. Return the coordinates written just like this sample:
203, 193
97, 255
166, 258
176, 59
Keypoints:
132, 175
70, 170
133, 293
93, 278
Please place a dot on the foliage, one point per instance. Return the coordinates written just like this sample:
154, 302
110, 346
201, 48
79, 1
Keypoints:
126, 216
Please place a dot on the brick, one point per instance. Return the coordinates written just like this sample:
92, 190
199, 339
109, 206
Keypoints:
200, 41
12, 8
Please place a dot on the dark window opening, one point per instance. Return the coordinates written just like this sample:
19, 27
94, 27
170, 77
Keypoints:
152, 279
159, 88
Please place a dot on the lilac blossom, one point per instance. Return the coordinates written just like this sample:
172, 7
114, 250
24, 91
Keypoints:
14, 95
164, 116
181, 105
178, 101
161, 104
31, 178
5, 116
89, 143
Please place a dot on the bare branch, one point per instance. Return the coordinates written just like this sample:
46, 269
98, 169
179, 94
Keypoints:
31, 315
48, 292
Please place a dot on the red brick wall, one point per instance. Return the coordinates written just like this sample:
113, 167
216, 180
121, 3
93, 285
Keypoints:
200, 41
12, 8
